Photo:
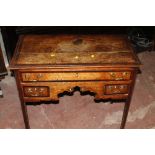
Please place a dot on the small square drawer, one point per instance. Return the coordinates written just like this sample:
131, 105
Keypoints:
36, 91
116, 89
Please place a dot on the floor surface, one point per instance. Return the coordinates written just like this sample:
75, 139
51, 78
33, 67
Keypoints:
81, 111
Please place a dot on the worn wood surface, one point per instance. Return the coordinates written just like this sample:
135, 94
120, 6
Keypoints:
62, 50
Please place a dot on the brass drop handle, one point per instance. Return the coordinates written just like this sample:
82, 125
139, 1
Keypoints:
52, 55
39, 76
76, 74
29, 90
27, 76
110, 87
35, 89
113, 89
92, 56
41, 90
119, 78
125, 73
121, 87
70, 89
35, 92
113, 75
76, 57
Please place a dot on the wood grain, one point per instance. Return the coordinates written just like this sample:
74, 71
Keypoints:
60, 50
47, 66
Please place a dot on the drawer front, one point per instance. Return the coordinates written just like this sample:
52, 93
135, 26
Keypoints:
116, 89
83, 76
36, 91
47, 91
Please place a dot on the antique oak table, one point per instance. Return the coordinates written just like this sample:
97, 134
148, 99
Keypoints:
48, 65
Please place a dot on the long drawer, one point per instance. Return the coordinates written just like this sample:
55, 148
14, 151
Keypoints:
80, 76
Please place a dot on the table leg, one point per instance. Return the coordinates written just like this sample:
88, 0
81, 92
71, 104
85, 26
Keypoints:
24, 111
125, 112
23, 103
25, 115
127, 102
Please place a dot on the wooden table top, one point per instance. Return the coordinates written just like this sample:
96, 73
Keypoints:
62, 50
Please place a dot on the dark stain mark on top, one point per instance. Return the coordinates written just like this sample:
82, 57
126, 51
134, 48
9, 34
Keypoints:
77, 41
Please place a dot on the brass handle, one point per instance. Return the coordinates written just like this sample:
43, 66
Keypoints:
27, 76
121, 87
119, 78
76, 74
125, 73
110, 87
113, 75
92, 56
70, 89
52, 55
35, 94
39, 76
41, 90
116, 89
76, 57
29, 90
